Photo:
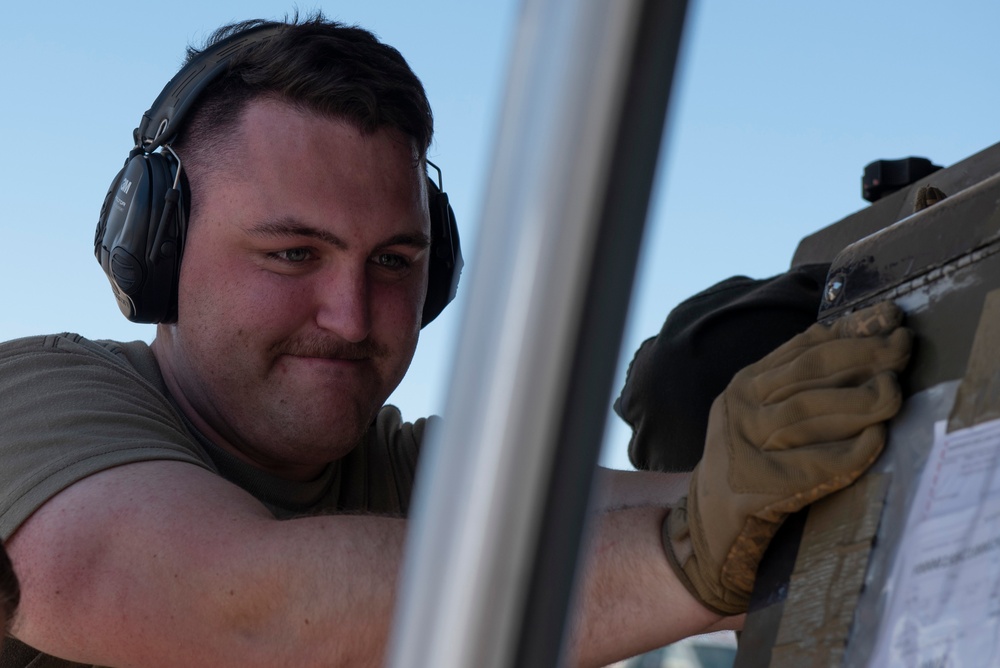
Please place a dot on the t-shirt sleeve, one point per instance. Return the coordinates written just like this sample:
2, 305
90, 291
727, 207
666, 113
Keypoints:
378, 477
70, 408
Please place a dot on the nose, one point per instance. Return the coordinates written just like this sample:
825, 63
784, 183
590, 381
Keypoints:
343, 304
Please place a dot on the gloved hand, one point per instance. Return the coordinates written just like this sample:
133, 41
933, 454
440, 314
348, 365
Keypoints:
804, 421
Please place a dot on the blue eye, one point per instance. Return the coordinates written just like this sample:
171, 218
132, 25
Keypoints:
293, 255
391, 261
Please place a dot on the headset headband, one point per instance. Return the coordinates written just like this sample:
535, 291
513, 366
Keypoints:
183, 89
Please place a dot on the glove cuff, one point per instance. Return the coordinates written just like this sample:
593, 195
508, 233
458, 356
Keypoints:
682, 555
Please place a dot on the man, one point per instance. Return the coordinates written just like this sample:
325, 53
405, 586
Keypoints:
233, 494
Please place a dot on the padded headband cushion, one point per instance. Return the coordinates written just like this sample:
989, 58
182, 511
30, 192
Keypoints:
180, 93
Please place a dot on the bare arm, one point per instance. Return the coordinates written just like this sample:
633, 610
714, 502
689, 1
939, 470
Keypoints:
165, 564
627, 489
162, 563
631, 601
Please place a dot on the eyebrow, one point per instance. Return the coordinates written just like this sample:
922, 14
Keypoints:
290, 227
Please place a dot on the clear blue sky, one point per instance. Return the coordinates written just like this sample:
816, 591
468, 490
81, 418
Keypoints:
778, 108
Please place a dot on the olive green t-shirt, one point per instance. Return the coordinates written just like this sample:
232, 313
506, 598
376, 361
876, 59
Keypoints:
70, 407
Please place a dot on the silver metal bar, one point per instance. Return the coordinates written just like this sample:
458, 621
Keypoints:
550, 282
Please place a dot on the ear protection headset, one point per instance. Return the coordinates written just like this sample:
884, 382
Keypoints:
143, 222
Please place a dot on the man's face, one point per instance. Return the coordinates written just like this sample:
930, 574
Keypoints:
301, 287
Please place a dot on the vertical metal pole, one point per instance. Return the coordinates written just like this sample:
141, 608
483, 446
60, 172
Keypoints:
503, 488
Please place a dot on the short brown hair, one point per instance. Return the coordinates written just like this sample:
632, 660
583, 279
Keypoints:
322, 66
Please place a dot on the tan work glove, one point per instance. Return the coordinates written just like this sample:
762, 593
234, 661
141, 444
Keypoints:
804, 421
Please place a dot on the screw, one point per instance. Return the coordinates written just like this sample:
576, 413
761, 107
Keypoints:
834, 288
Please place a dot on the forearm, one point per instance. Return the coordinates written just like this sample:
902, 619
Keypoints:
333, 581
628, 489
630, 600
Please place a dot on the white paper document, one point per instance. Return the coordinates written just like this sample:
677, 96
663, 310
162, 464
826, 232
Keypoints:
944, 595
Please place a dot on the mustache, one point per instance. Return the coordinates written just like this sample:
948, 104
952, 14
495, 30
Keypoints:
325, 347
